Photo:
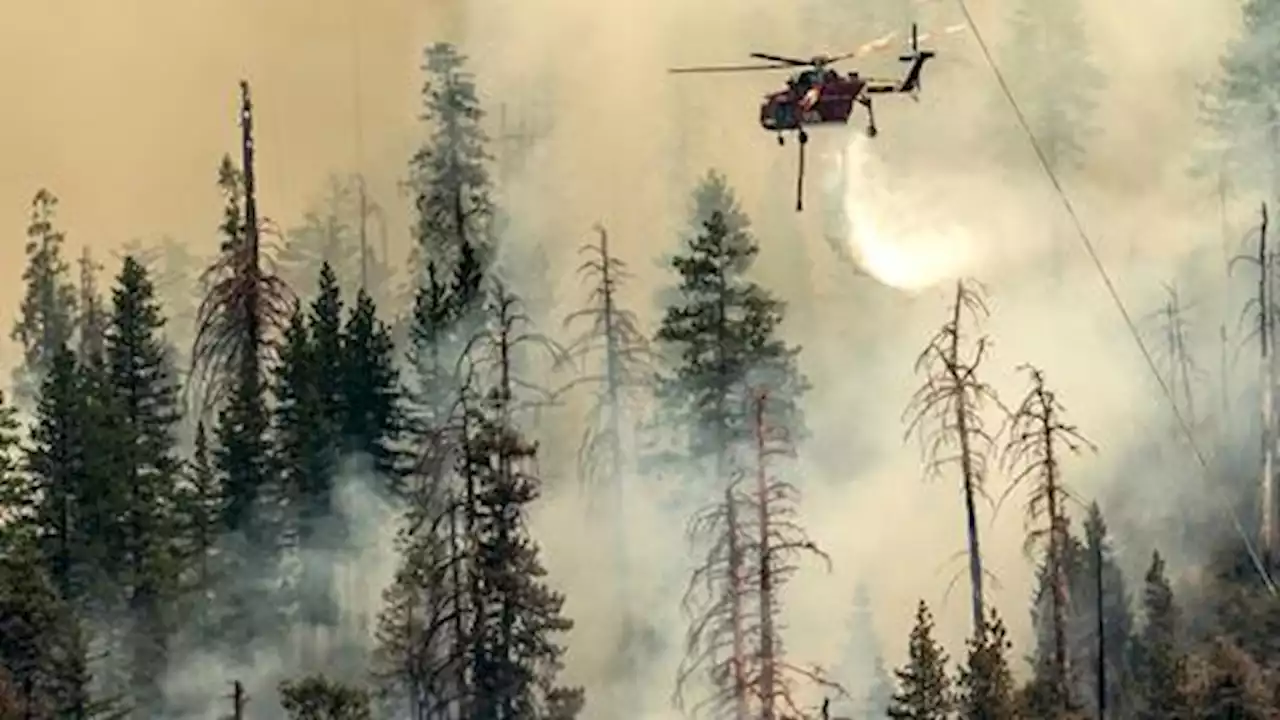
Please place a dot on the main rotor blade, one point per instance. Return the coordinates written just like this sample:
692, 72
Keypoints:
779, 59
727, 68
880, 43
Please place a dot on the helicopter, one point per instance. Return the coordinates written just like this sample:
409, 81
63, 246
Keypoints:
818, 95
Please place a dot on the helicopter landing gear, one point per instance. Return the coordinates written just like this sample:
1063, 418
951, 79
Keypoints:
871, 116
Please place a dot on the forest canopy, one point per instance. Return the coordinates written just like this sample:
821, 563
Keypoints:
212, 454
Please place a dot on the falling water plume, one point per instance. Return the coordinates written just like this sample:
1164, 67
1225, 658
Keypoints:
893, 226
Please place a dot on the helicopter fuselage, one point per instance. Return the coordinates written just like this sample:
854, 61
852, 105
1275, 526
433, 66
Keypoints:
829, 101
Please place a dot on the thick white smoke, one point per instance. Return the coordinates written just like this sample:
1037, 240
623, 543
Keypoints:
898, 227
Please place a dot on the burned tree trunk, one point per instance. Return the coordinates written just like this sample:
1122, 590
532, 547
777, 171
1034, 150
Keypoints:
768, 645
734, 598
945, 411
1179, 370
245, 302
780, 541
1037, 437
1263, 304
716, 602
737, 612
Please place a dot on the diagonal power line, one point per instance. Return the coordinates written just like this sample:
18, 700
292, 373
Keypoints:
1254, 557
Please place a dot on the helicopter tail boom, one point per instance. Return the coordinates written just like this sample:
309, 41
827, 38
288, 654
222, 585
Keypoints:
911, 83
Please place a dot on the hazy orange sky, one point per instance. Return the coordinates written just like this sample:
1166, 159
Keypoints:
124, 108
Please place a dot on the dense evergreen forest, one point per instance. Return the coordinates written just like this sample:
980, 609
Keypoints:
201, 445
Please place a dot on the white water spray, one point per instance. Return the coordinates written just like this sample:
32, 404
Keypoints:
893, 225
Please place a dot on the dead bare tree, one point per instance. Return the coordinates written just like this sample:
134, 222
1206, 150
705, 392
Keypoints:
612, 338
1264, 309
780, 542
430, 634
238, 700
1180, 369
245, 301
1038, 438
946, 414
734, 599
619, 367
423, 628
715, 601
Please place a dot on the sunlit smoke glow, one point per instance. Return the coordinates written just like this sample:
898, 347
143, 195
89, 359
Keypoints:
891, 224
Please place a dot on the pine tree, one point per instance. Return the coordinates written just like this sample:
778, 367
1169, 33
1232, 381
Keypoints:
421, 658
1159, 663
724, 332
924, 688
1117, 617
243, 308
1242, 110
448, 312
329, 235
91, 325
106, 491
517, 618
16, 496
425, 647
985, 683
198, 509
712, 194
175, 271
325, 325
372, 422
56, 462
144, 398
449, 175
946, 412
863, 670
432, 350
42, 644
30, 614
1080, 558
306, 459
46, 319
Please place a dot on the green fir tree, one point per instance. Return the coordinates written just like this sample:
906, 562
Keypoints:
144, 398
985, 683
1159, 659
371, 420
719, 342
56, 465
1242, 106
449, 175
306, 456
47, 316
924, 688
